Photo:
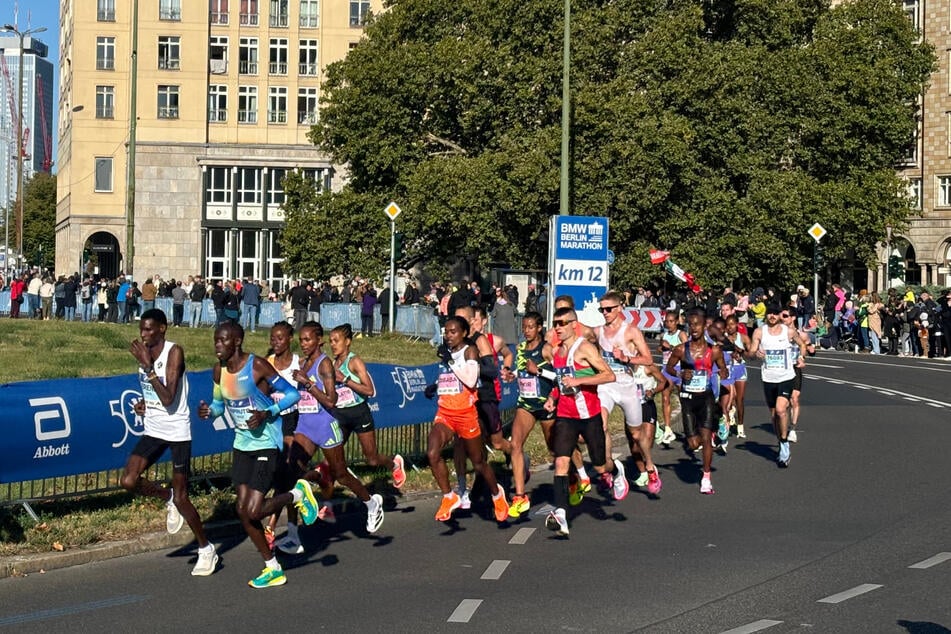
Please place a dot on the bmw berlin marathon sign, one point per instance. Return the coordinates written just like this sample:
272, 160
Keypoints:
578, 258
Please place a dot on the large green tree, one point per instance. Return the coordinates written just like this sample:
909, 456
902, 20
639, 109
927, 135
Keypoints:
720, 131
39, 220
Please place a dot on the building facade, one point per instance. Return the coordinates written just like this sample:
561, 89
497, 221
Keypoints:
225, 93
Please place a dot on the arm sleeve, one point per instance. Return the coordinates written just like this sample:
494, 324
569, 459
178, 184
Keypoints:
468, 372
291, 395
217, 406
488, 370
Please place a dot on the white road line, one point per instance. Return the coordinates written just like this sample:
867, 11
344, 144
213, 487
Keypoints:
521, 536
848, 594
940, 558
886, 393
813, 364
861, 386
912, 366
933, 404
464, 611
755, 626
911, 398
495, 570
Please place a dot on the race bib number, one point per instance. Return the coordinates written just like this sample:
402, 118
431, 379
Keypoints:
612, 362
240, 410
308, 404
528, 385
665, 356
345, 396
562, 373
775, 360
151, 399
448, 384
697, 383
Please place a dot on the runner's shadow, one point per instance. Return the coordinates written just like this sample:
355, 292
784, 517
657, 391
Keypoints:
767, 452
922, 627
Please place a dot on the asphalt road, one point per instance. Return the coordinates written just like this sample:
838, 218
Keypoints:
853, 537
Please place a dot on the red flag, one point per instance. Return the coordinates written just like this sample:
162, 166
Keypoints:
658, 256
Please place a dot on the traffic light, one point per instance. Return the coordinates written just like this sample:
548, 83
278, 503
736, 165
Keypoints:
818, 262
398, 245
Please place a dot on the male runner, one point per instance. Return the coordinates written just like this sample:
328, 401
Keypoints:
165, 416
789, 319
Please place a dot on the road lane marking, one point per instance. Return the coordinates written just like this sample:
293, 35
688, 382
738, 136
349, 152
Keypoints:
521, 536
912, 366
940, 558
67, 610
848, 594
755, 626
911, 398
464, 611
813, 364
933, 404
862, 386
495, 570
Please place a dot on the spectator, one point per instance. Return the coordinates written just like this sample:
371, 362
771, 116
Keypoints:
178, 303
366, 311
231, 303
33, 295
218, 301
133, 305
503, 317
300, 302
313, 304
197, 297
149, 292
17, 296
121, 295
102, 300
59, 297
251, 296
384, 301
86, 293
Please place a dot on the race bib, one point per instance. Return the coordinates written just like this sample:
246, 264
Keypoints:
562, 373
665, 356
240, 410
151, 399
697, 383
528, 386
308, 404
612, 362
775, 360
448, 384
345, 396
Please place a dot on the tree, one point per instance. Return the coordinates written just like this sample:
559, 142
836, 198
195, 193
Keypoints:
719, 131
39, 219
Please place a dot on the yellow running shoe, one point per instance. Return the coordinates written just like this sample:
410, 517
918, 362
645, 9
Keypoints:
520, 504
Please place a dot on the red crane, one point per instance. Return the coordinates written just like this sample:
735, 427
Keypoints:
47, 142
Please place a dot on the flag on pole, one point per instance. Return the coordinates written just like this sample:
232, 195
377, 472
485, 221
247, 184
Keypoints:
663, 257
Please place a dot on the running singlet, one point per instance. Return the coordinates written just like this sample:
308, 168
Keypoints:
608, 344
242, 397
489, 391
702, 370
777, 365
288, 374
577, 402
673, 340
453, 393
533, 390
345, 396
308, 406
165, 423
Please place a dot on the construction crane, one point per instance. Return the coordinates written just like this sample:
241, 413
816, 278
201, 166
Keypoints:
47, 142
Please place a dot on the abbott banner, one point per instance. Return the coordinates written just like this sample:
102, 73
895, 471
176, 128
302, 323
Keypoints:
72, 426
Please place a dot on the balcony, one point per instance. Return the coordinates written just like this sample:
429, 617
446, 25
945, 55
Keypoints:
218, 17
309, 70
168, 112
105, 63
307, 118
278, 21
170, 13
247, 116
106, 15
105, 112
277, 68
247, 68
309, 21
248, 19
169, 63
277, 116
219, 115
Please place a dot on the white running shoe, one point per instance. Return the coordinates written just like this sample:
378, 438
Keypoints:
791, 436
374, 513
621, 487
706, 486
669, 436
740, 431
173, 519
557, 522
464, 502
207, 562
290, 546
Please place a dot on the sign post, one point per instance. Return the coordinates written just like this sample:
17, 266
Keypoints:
392, 211
578, 257
817, 232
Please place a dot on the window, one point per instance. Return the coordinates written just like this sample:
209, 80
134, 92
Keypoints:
218, 248
168, 102
103, 174
308, 58
275, 191
219, 11
247, 104
217, 103
218, 55
248, 56
309, 14
219, 185
106, 10
359, 10
321, 177
278, 17
275, 261
277, 56
944, 191
170, 10
307, 106
277, 104
249, 13
914, 192
169, 52
248, 257
105, 53
105, 102
249, 185
913, 11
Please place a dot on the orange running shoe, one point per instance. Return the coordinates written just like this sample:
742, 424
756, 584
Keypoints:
450, 502
501, 506
399, 471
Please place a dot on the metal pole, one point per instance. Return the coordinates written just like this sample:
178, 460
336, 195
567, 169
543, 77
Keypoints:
563, 209
888, 257
815, 275
130, 166
20, 150
389, 299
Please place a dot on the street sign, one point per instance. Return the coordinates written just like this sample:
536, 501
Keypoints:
392, 211
610, 256
578, 259
646, 319
817, 232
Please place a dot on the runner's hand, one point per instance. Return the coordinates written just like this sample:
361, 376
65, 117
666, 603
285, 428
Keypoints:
204, 411
430, 391
139, 408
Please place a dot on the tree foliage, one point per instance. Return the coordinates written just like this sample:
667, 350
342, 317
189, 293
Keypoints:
720, 131
39, 219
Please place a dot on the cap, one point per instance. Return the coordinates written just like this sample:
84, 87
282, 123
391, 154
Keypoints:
773, 309
800, 288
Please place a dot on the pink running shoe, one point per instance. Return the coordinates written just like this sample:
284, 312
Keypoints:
654, 484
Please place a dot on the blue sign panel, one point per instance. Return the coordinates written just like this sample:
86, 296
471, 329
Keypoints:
578, 263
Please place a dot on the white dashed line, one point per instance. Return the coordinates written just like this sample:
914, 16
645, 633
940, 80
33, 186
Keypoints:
935, 404
521, 536
755, 626
848, 594
495, 570
464, 611
905, 395
911, 398
860, 386
940, 558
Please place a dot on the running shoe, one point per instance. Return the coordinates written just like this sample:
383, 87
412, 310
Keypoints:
556, 521
732, 416
791, 437
706, 486
721, 446
621, 486
641, 480
325, 480
585, 485
723, 430
399, 472
658, 434
501, 505
605, 483
374, 513
740, 431
207, 562
783, 454
268, 578
575, 493
465, 503
326, 513
290, 546
173, 519
449, 504
669, 436
520, 504
269, 536
308, 505
654, 484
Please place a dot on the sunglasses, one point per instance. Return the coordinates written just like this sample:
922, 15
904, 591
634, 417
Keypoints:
562, 322
784, 315
607, 309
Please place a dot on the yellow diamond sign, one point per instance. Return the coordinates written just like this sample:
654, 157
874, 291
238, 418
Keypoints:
392, 211
817, 231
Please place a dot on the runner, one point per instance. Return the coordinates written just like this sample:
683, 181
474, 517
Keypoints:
651, 381
697, 402
166, 419
672, 337
622, 346
741, 343
354, 386
772, 344
580, 370
535, 380
726, 394
242, 382
788, 317
456, 416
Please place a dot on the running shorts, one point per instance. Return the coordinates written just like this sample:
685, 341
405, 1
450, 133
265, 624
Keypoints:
697, 411
773, 391
463, 423
355, 419
624, 392
565, 432
489, 417
152, 448
254, 469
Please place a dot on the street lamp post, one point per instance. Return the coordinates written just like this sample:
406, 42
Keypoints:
9, 28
